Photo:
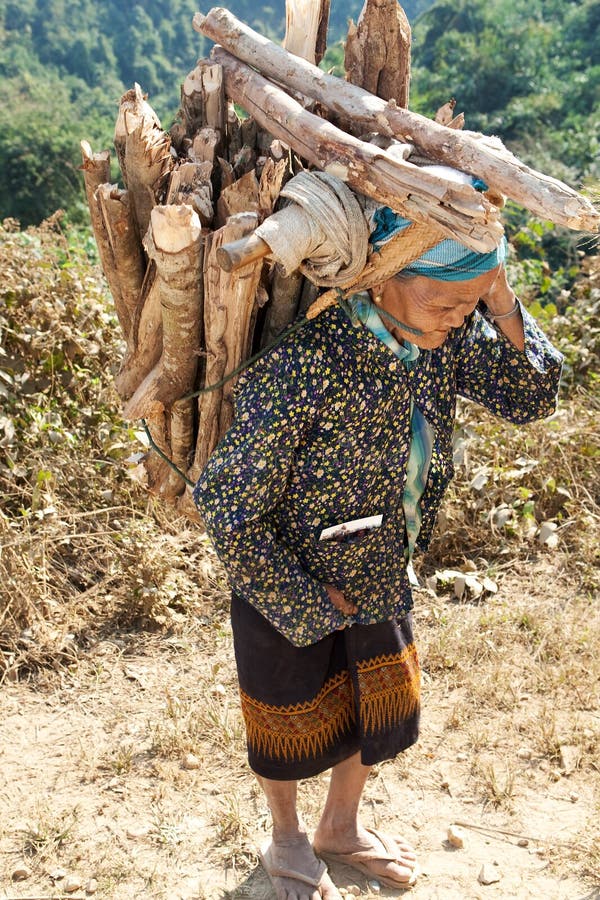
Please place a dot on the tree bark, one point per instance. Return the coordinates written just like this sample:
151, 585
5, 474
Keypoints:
542, 195
174, 244
457, 209
378, 51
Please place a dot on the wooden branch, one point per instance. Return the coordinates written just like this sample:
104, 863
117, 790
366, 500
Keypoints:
377, 54
174, 244
456, 208
127, 252
229, 300
235, 255
542, 195
306, 24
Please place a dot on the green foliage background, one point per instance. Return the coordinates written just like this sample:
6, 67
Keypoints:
526, 70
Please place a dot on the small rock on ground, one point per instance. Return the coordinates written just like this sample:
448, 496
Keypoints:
21, 873
71, 884
488, 874
456, 836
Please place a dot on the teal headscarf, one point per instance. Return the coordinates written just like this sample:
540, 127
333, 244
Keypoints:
447, 261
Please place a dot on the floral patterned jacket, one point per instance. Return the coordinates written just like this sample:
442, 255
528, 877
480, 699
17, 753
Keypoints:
321, 436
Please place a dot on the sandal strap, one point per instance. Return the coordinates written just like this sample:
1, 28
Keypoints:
299, 876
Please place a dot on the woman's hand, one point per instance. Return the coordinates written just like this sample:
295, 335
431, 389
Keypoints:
340, 602
501, 301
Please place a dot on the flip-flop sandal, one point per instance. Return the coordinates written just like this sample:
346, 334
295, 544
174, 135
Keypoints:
274, 871
363, 860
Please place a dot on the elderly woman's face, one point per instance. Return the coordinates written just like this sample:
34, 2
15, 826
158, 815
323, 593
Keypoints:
435, 307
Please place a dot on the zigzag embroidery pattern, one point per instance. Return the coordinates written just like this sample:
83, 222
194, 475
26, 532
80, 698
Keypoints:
304, 729
390, 689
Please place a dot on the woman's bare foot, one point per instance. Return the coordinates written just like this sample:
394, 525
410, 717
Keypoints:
378, 855
295, 871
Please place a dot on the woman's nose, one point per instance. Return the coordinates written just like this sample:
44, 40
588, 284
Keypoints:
455, 318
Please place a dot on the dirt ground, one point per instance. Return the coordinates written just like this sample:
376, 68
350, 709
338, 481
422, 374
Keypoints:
124, 775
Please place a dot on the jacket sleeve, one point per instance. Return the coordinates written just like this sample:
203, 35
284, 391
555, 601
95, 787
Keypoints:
518, 385
238, 493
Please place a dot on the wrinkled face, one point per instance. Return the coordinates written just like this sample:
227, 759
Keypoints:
435, 307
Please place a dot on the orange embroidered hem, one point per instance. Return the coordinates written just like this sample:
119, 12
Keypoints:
302, 730
389, 689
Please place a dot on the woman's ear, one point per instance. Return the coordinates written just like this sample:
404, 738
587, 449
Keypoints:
377, 293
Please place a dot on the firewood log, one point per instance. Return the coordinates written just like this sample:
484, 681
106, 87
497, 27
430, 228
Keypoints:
191, 184
133, 109
500, 169
182, 447
228, 303
457, 209
148, 161
127, 253
241, 196
96, 171
306, 24
145, 344
377, 56
174, 244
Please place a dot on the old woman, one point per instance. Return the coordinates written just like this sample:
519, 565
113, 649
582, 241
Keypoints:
329, 479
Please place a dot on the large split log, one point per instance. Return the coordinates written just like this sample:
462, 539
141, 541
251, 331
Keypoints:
174, 244
148, 160
96, 171
133, 109
541, 194
228, 306
457, 209
145, 344
377, 56
127, 252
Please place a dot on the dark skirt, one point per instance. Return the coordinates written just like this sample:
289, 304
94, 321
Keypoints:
308, 708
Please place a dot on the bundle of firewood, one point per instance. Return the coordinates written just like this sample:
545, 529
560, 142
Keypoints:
214, 244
